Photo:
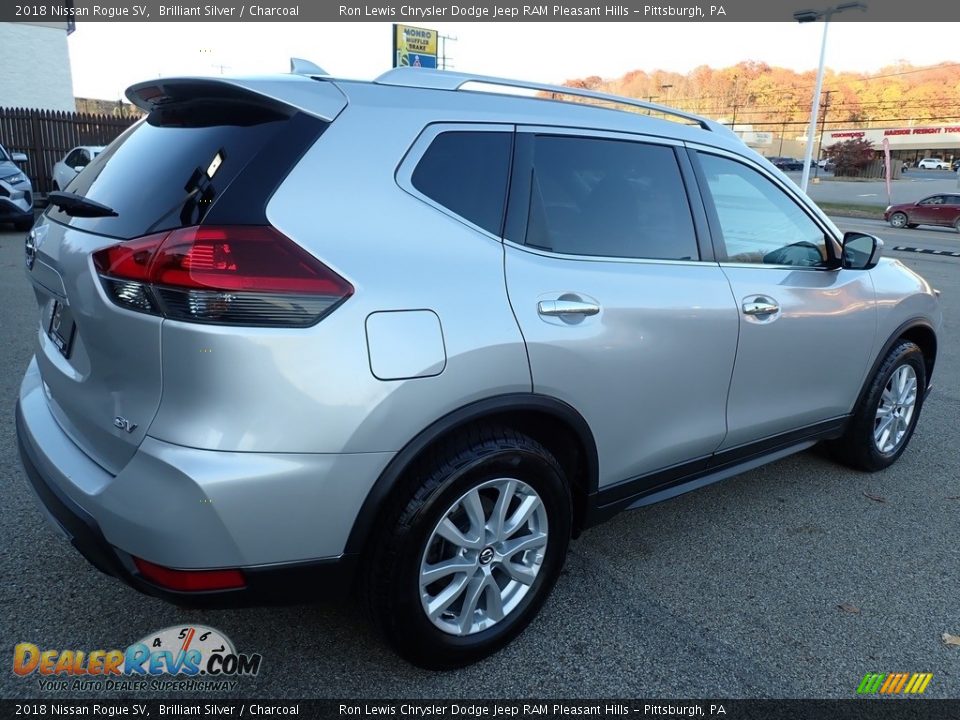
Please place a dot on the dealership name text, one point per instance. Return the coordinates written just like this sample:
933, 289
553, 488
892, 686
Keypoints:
426, 12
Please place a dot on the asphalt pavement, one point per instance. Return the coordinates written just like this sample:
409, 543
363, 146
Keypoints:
793, 580
913, 185
928, 238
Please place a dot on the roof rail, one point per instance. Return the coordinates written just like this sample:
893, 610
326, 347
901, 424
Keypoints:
446, 80
299, 66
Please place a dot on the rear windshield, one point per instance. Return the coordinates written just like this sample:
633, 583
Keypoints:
170, 169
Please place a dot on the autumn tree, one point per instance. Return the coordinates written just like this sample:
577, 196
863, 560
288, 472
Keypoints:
851, 156
767, 95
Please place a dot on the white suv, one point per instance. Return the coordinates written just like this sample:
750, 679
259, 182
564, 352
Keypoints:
934, 164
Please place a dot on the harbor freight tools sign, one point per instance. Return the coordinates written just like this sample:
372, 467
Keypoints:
414, 47
176, 659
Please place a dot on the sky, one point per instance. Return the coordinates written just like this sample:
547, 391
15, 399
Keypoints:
108, 57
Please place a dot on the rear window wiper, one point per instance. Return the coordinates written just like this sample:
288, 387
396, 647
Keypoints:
77, 206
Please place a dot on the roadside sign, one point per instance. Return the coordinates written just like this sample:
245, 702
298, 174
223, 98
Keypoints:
414, 46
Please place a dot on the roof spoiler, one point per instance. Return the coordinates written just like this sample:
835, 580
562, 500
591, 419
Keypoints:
322, 99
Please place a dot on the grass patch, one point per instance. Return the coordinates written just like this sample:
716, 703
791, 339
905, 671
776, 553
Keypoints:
857, 210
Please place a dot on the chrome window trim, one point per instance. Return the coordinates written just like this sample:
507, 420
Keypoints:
778, 267
605, 258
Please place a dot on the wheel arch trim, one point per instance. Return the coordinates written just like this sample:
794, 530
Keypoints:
917, 323
468, 414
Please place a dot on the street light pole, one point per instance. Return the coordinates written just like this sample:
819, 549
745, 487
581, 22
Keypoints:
808, 153
804, 16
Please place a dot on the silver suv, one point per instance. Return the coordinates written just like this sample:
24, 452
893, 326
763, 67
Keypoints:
301, 335
16, 191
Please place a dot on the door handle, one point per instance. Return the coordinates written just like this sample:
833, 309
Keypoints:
760, 306
554, 308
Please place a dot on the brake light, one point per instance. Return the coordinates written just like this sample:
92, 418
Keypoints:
229, 275
190, 580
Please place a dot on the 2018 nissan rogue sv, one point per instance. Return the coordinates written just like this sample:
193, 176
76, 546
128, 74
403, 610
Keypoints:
299, 335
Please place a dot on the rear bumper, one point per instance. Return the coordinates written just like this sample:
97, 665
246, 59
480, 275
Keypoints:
330, 578
153, 510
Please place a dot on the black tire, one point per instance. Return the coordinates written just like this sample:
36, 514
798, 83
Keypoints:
858, 448
23, 225
899, 220
391, 570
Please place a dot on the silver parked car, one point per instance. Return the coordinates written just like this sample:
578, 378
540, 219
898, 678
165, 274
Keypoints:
72, 164
301, 335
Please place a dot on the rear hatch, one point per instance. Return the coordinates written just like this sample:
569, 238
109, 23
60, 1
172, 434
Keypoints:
209, 153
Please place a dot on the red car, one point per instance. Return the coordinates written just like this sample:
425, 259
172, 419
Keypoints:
941, 210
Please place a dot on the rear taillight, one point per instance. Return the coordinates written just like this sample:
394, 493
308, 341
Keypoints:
234, 275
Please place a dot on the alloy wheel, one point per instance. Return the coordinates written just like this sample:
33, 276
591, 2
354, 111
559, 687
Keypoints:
895, 411
483, 556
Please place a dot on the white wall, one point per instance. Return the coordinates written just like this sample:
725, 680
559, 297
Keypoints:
35, 67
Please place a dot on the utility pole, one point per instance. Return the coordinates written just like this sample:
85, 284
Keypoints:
823, 122
445, 63
783, 131
733, 125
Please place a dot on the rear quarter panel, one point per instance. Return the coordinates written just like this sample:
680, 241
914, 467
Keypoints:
313, 390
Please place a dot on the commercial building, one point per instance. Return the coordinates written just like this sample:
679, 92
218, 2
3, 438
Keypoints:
907, 144
36, 66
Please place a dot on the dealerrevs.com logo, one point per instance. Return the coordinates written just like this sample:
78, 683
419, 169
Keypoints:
178, 658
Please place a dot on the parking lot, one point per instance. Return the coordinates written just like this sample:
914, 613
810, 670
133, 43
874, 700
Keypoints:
793, 580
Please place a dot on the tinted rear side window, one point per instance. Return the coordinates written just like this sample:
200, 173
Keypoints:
612, 198
466, 172
174, 168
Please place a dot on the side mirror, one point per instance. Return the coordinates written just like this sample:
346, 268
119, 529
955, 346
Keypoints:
18, 157
78, 168
861, 251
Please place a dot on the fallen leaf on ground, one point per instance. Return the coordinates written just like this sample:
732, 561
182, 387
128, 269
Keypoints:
949, 639
875, 498
847, 607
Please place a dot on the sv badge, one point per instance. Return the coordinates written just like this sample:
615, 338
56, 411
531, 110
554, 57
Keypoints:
121, 423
